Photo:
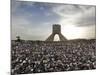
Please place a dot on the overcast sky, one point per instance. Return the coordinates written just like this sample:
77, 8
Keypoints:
34, 20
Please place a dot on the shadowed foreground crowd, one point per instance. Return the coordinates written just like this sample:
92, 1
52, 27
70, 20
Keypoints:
38, 56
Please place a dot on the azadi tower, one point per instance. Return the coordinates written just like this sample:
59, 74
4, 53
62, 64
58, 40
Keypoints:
56, 30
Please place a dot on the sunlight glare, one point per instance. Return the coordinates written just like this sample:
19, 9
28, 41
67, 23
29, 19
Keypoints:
72, 32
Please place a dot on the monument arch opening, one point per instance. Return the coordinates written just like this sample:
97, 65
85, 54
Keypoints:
56, 37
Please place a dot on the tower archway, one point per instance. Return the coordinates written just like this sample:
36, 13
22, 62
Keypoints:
56, 37
56, 29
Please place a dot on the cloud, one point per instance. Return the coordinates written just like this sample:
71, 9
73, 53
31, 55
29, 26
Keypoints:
33, 20
29, 29
87, 18
79, 15
67, 10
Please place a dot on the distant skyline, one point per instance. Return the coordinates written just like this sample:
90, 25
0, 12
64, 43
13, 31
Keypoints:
34, 20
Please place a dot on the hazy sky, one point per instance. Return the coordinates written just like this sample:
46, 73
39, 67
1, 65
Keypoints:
34, 20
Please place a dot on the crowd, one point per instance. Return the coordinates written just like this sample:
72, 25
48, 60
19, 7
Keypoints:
40, 56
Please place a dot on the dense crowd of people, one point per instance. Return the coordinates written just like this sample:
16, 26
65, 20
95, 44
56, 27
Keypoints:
40, 56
